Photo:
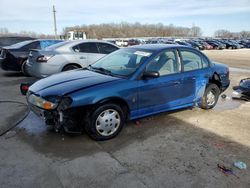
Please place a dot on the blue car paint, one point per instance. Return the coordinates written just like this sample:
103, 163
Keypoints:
46, 43
143, 97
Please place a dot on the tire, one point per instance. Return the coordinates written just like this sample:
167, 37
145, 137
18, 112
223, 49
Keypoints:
210, 97
23, 68
109, 117
70, 67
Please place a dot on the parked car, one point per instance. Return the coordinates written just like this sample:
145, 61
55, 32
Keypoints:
242, 91
196, 45
216, 45
229, 45
133, 42
66, 56
183, 43
14, 57
121, 43
128, 84
7, 41
206, 46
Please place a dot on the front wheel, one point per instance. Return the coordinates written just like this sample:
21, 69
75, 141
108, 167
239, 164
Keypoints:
70, 67
105, 122
210, 97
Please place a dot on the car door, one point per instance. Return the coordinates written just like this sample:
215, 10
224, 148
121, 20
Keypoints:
80, 56
164, 92
92, 52
195, 72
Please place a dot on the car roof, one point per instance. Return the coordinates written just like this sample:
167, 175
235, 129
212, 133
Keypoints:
75, 42
157, 47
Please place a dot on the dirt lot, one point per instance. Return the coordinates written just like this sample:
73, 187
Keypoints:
178, 149
233, 58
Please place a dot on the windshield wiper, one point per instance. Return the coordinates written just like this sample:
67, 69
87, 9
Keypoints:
101, 70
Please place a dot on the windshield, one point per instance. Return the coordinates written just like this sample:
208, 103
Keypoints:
123, 62
21, 44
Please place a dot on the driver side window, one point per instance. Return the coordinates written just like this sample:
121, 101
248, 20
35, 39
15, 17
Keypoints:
165, 63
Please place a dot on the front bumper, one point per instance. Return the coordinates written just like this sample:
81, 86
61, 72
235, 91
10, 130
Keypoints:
60, 120
238, 93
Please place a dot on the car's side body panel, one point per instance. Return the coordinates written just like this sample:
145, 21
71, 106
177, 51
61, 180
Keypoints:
143, 96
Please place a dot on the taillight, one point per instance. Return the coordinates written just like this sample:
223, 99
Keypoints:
43, 59
24, 87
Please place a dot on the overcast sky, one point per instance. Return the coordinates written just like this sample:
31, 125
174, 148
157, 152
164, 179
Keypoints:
210, 15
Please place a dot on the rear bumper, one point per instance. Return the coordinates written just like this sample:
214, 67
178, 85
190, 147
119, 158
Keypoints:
40, 70
11, 65
3, 64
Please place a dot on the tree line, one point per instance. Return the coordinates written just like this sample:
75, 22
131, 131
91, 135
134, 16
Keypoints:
222, 33
129, 30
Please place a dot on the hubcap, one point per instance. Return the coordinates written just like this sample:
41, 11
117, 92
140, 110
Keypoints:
210, 98
108, 122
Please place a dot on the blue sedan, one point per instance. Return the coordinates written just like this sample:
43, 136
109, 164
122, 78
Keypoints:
128, 84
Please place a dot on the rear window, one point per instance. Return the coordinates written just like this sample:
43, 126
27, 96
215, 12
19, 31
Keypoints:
58, 45
47, 43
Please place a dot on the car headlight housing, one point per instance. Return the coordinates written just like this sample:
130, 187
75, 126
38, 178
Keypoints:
41, 103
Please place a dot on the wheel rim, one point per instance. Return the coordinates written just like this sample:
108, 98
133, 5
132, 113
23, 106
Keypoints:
210, 98
108, 122
23, 67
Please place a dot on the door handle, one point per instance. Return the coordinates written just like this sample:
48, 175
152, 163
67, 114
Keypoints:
177, 82
192, 78
82, 57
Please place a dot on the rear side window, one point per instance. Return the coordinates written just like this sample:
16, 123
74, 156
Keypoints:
192, 61
88, 47
105, 48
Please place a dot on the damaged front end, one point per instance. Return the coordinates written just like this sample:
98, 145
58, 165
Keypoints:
56, 112
242, 91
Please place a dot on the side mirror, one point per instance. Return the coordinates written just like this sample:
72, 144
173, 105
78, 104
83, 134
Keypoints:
151, 74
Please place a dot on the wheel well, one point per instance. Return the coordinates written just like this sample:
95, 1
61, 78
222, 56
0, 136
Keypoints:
216, 80
116, 100
75, 64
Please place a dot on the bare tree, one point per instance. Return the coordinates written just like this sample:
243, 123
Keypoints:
129, 30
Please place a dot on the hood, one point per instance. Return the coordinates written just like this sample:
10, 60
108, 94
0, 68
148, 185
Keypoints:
68, 82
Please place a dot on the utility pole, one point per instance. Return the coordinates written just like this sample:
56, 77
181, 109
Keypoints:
54, 14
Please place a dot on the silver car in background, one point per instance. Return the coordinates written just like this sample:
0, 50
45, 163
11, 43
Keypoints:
66, 56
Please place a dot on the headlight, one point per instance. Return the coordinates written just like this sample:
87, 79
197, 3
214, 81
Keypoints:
42, 103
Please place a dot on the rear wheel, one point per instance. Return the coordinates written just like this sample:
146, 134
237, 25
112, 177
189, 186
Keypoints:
70, 67
23, 68
105, 122
210, 97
